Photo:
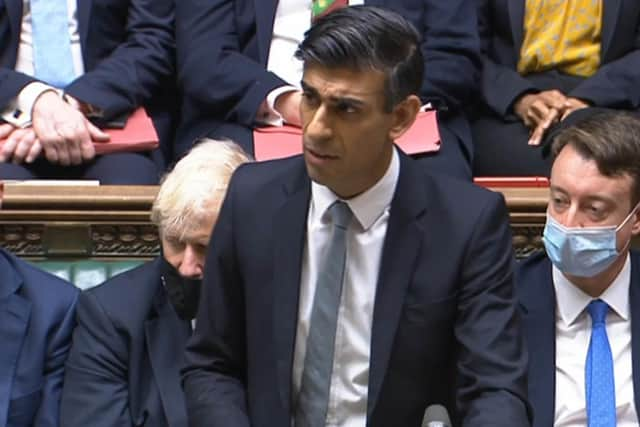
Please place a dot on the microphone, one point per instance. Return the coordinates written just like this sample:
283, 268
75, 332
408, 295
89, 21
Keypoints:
436, 416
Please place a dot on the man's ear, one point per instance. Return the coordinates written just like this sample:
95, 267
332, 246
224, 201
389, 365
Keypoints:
635, 219
404, 114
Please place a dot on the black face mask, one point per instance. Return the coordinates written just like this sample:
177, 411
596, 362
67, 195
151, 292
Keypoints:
184, 293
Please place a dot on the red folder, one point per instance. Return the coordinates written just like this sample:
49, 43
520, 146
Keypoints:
512, 181
138, 134
283, 141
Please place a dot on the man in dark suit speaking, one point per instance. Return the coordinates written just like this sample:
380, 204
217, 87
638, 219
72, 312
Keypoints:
347, 286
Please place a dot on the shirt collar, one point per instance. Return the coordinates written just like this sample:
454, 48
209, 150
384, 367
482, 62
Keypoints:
572, 301
366, 207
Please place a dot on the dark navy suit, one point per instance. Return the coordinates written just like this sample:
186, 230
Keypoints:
444, 319
500, 136
123, 369
537, 297
128, 55
36, 322
223, 47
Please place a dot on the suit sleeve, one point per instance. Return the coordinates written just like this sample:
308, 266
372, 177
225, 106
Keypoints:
11, 83
216, 76
451, 52
215, 372
137, 68
500, 85
95, 384
492, 360
615, 84
57, 351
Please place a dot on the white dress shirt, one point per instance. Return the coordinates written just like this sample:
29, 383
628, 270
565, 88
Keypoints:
364, 241
573, 333
18, 112
292, 20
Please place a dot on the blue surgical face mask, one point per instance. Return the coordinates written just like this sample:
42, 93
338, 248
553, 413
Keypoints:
581, 251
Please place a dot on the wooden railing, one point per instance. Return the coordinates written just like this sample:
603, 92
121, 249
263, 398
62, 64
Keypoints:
113, 221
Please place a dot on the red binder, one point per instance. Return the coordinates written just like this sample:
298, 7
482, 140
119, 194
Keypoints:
277, 142
138, 134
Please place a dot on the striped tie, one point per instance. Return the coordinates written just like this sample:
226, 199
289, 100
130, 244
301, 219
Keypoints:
322, 8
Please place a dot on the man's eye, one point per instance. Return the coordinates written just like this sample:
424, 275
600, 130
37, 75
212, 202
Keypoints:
346, 107
596, 211
308, 97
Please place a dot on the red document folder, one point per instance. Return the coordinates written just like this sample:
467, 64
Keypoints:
138, 134
512, 181
277, 142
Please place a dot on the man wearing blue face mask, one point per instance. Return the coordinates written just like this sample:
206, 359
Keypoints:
576, 301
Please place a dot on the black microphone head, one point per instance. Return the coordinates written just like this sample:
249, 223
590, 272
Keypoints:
436, 416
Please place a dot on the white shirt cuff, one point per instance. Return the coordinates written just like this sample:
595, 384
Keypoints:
267, 114
18, 112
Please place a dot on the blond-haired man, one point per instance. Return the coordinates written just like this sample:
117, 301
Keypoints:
127, 348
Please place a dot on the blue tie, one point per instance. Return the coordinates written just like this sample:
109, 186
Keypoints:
313, 398
599, 381
52, 60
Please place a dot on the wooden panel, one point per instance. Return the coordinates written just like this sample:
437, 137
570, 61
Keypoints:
114, 221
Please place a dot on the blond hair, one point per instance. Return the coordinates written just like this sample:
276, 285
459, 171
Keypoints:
194, 190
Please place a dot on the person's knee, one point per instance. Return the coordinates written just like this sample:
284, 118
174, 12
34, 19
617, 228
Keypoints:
124, 169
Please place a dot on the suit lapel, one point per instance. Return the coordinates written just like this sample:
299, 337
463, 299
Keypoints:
404, 235
84, 15
610, 15
165, 335
15, 312
289, 230
516, 15
538, 307
634, 304
265, 14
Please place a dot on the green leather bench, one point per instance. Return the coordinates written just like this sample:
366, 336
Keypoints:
86, 274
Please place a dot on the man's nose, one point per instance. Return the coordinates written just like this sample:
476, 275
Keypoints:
191, 265
318, 127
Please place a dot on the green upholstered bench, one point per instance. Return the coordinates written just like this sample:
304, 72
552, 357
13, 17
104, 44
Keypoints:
86, 274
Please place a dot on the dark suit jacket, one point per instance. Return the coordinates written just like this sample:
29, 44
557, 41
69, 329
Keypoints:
235, 35
616, 84
537, 297
36, 321
124, 364
128, 52
444, 313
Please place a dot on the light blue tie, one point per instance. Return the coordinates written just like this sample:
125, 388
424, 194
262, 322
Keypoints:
313, 398
599, 380
52, 60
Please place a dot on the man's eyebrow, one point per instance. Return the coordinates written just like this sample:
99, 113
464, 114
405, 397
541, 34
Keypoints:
589, 198
307, 88
356, 102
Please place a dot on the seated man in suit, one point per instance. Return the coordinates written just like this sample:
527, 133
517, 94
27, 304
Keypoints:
348, 286
255, 80
127, 350
543, 60
64, 62
577, 300
36, 322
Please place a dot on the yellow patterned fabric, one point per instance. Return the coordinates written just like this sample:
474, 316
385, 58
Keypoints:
562, 35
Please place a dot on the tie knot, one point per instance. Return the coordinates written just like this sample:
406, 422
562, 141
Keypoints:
340, 214
598, 311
